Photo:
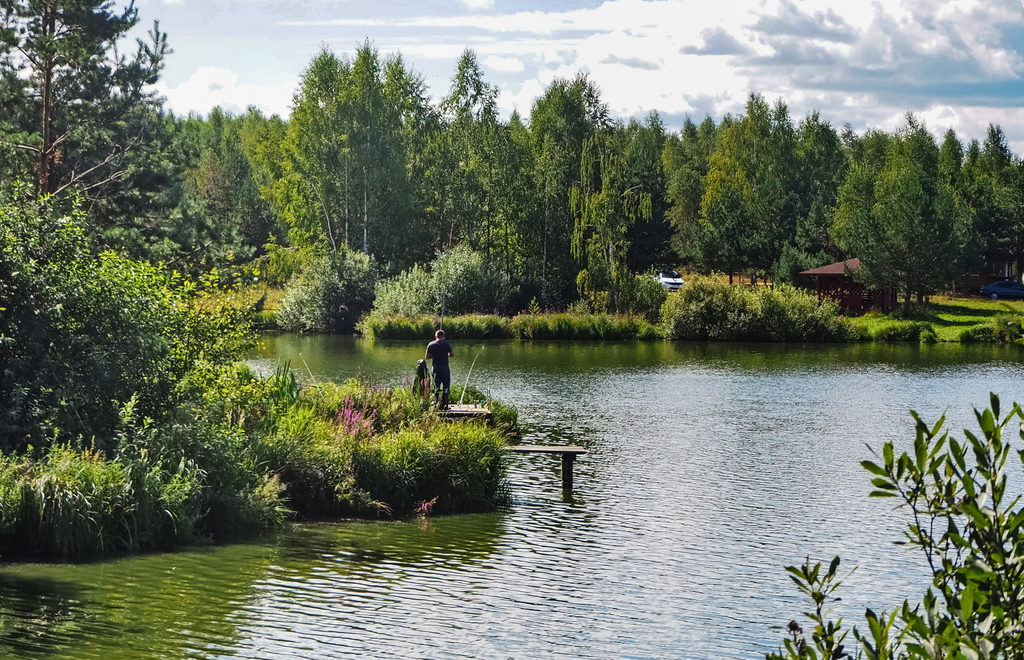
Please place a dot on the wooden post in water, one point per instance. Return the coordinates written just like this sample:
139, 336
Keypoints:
568, 453
567, 460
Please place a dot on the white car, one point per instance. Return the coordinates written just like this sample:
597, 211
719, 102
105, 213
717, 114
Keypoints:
669, 279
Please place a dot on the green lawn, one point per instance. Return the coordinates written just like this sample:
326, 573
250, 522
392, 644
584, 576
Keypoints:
949, 317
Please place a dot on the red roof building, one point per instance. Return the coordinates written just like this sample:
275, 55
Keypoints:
835, 281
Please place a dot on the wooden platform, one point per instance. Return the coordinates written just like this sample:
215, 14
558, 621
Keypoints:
466, 411
567, 452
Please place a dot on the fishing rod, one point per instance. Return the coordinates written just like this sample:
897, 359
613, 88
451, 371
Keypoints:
467, 376
442, 309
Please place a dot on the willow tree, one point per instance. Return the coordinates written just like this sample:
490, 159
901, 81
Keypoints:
604, 210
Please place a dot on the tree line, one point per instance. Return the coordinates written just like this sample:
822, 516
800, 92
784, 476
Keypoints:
566, 203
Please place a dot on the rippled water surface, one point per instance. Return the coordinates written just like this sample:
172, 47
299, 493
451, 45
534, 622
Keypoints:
709, 468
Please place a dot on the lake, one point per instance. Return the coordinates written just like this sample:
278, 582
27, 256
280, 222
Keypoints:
710, 467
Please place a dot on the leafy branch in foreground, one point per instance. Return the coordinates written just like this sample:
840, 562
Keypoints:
972, 541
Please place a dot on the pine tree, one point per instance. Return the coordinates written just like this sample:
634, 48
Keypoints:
77, 112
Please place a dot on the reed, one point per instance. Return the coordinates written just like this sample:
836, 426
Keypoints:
74, 503
555, 326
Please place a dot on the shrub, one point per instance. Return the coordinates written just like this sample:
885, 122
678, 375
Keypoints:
454, 467
460, 280
642, 296
82, 333
1002, 328
76, 503
708, 309
983, 332
350, 448
900, 331
410, 293
330, 294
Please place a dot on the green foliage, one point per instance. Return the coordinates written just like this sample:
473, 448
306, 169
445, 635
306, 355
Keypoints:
642, 295
355, 449
605, 208
913, 312
81, 109
827, 636
81, 333
905, 222
1001, 329
979, 333
967, 525
708, 309
454, 467
75, 503
330, 294
410, 293
247, 454
460, 280
595, 326
898, 331
344, 165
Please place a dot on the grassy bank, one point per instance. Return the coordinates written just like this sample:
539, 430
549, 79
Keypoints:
253, 452
711, 309
945, 319
522, 326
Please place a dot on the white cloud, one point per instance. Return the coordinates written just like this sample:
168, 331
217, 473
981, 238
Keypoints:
523, 99
951, 61
212, 86
498, 63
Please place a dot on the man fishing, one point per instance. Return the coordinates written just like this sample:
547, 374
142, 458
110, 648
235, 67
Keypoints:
439, 351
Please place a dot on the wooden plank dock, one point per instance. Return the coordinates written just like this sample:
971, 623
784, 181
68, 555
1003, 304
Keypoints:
466, 411
567, 452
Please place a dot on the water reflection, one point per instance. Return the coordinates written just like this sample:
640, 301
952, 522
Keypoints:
710, 466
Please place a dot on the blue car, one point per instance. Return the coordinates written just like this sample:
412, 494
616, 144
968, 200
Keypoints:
1005, 289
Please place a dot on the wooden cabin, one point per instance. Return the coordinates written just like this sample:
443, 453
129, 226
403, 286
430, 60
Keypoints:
835, 281
996, 269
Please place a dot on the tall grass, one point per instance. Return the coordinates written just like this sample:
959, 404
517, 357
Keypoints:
254, 451
523, 326
354, 449
1002, 328
75, 503
875, 327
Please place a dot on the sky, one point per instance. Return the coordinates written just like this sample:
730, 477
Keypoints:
954, 63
